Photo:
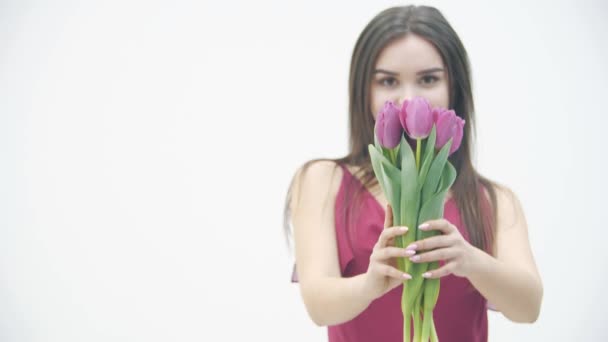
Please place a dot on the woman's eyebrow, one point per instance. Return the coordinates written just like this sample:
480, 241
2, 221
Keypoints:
428, 71
392, 73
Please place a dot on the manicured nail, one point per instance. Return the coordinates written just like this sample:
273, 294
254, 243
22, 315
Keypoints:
409, 252
415, 258
423, 226
426, 275
404, 229
412, 246
407, 276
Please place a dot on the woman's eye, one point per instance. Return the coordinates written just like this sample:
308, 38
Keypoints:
429, 79
388, 81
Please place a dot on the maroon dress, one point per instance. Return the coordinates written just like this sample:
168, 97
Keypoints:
461, 311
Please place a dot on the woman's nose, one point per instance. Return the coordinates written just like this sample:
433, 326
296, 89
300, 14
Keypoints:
407, 94
400, 101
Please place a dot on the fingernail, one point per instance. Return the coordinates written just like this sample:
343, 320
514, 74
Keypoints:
409, 252
423, 226
407, 276
404, 229
426, 275
412, 246
415, 258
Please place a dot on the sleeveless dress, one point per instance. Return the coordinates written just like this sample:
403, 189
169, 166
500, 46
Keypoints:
461, 311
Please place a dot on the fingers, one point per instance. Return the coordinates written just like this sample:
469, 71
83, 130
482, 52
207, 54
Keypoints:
389, 271
440, 272
388, 222
441, 225
388, 216
436, 255
391, 252
434, 242
389, 233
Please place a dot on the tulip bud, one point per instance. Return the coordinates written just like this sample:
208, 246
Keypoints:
449, 125
417, 118
388, 128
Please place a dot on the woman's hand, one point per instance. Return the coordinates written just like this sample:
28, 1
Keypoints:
382, 273
449, 246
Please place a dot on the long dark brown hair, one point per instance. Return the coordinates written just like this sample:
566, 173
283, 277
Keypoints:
476, 212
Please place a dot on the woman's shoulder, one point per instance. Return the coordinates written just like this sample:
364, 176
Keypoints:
502, 193
319, 170
508, 205
317, 180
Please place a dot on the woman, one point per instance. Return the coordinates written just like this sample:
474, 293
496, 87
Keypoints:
344, 238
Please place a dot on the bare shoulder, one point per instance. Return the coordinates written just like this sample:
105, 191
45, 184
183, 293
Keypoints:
312, 216
510, 213
512, 238
315, 180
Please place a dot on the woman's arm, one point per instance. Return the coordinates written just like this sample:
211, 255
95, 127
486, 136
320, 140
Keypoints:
329, 298
334, 300
510, 281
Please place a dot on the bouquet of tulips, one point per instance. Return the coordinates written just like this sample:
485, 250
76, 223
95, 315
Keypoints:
416, 187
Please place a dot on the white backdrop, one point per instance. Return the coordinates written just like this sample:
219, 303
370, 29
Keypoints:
142, 186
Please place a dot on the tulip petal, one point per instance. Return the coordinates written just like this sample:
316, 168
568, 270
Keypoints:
459, 127
388, 127
419, 119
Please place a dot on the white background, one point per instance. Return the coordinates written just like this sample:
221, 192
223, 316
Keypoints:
146, 149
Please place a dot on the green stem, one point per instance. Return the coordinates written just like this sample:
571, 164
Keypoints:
392, 152
405, 310
417, 326
434, 337
407, 322
426, 325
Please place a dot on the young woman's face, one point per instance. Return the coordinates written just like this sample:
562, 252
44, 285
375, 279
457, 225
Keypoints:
409, 67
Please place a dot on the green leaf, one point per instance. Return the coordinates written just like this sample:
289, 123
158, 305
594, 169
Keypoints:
398, 154
450, 178
433, 208
431, 289
389, 178
410, 192
432, 178
429, 154
417, 320
408, 165
386, 153
393, 192
391, 170
414, 285
381, 150
375, 157
377, 142
430, 203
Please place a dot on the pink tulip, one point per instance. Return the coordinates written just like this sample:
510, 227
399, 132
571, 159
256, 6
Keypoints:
417, 118
449, 125
388, 128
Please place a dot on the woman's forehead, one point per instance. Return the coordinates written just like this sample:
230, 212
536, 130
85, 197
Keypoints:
409, 55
